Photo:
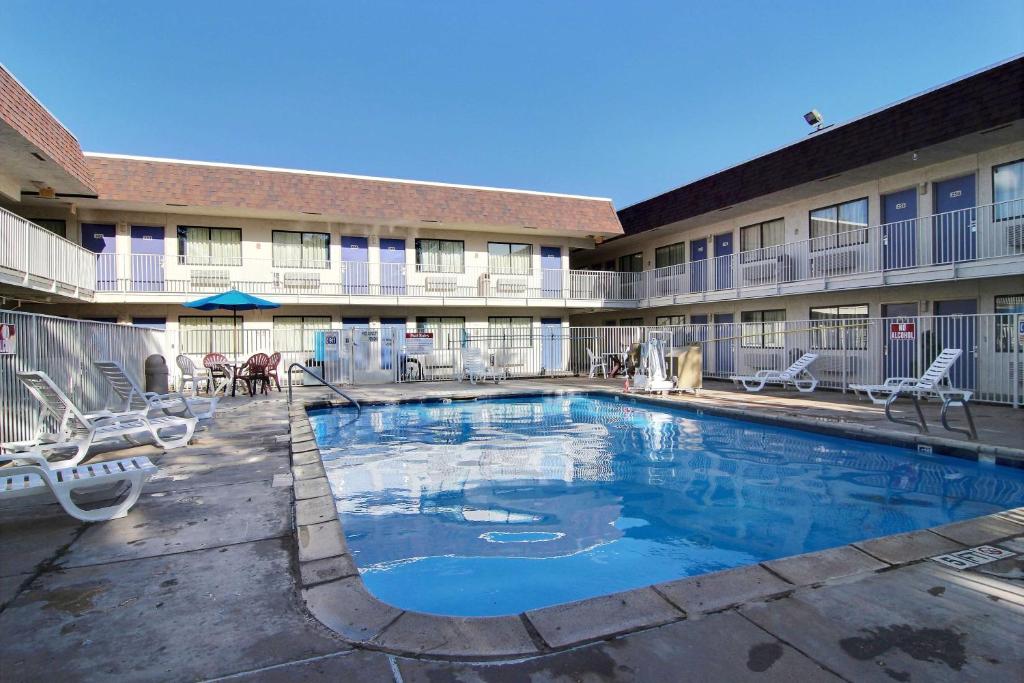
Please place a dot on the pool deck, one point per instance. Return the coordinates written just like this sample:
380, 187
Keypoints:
232, 565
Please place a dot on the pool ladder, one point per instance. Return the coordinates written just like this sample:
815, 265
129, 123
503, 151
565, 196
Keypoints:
321, 380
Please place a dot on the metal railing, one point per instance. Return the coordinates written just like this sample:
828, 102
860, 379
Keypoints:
320, 380
43, 260
65, 350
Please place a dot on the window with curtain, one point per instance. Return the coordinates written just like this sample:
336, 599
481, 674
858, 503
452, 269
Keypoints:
1007, 190
506, 258
839, 225
831, 321
756, 239
440, 256
631, 322
203, 334
56, 226
631, 263
449, 331
666, 320
762, 329
670, 255
301, 249
199, 246
509, 332
296, 333
1009, 309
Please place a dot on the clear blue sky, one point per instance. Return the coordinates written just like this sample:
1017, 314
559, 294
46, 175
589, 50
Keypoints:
617, 99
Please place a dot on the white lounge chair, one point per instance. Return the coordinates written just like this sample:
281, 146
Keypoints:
193, 374
934, 382
798, 374
31, 474
78, 431
597, 363
137, 400
474, 368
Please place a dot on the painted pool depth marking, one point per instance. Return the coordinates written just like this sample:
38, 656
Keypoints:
493, 507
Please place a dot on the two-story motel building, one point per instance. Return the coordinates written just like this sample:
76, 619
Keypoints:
914, 209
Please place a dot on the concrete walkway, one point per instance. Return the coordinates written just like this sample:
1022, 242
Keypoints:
200, 582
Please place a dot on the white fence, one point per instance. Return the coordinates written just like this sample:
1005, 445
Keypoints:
65, 350
42, 260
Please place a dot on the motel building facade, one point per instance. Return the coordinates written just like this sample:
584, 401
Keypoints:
875, 242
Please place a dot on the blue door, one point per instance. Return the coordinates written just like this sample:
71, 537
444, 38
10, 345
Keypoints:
392, 265
147, 258
355, 261
899, 231
699, 334
551, 272
698, 265
724, 362
956, 328
101, 240
723, 261
954, 222
392, 332
551, 345
900, 352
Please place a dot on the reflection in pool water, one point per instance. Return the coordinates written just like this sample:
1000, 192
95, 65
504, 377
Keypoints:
499, 506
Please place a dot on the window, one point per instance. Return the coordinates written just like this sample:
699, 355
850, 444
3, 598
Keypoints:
1009, 309
631, 322
209, 246
506, 332
670, 255
762, 329
297, 333
202, 334
509, 259
631, 263
151, 323
1007, 190
839, 225
830, 321
440, 256
54, 225
663, 320
449, 331
755, 239
301, 249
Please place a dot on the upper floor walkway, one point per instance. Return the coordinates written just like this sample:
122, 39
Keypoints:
36, 263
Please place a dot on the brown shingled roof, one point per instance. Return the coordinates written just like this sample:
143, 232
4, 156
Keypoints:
200, 184
22, 112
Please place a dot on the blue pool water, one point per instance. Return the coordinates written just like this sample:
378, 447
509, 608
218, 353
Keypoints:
498, 506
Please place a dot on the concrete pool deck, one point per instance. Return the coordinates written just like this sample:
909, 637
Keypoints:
205, 579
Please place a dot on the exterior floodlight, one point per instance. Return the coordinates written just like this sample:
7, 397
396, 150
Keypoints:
813, 118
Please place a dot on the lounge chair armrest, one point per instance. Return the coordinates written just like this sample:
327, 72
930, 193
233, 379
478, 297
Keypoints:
765, 373
27, 456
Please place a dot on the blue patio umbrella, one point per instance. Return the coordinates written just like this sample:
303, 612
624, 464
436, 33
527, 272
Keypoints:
234, 301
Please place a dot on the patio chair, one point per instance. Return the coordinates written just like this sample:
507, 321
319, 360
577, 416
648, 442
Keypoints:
474, 368
254, 373
597, 363
31, 474
190, 373
135, 399
275, 361
934, 382
798, 374
78, 431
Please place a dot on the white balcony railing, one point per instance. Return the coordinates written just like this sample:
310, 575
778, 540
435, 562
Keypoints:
37, 258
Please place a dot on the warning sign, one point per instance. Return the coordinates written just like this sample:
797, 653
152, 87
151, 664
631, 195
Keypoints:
419, 342
903, 331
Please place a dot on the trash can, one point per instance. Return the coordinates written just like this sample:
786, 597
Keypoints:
689, 369
156, 374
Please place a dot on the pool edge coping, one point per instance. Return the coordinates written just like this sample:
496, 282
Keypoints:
327, 571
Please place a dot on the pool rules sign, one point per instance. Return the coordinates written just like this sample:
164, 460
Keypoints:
902, 331
8, 338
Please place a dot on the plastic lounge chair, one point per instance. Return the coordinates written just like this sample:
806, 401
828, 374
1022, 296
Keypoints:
31, 474
934, 382
474, 368
190, 373
77, 430
798, 374
597, 363
135, 399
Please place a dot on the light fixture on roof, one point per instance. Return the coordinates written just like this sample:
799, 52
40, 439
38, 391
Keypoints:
814, 118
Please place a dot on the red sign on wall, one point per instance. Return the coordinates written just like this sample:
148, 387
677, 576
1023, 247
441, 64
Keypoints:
902, 331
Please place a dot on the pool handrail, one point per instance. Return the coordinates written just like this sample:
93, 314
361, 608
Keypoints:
321, 380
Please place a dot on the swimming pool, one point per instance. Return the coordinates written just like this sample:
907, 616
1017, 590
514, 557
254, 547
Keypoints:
493, 507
